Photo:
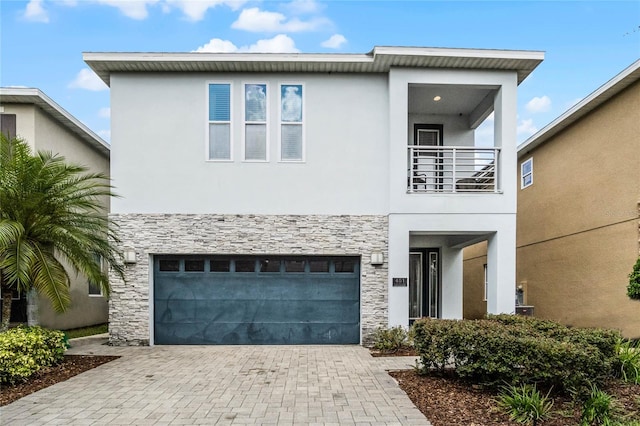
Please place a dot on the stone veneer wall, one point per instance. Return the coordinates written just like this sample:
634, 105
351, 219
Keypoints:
150, 234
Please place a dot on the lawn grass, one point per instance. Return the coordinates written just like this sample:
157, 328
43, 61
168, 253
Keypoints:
87, 331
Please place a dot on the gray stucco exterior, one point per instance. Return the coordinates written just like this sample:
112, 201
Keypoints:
154, 234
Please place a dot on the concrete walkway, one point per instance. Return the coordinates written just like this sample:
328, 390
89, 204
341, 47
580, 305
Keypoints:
283, 385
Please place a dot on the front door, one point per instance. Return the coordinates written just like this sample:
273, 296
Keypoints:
426, 161
424, 284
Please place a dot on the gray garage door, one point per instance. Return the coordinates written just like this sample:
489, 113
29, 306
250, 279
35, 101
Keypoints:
256, 300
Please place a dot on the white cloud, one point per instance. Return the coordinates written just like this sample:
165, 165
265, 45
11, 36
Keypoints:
35, 12
88, 80
278, 44
526, 127
334, 42
217, 45
256, 20
134, 9
539, 104
195, 10
104, 112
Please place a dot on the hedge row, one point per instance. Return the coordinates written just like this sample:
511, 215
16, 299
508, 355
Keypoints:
514, 349
25, 350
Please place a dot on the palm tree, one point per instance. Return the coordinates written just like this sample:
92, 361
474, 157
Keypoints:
51, 211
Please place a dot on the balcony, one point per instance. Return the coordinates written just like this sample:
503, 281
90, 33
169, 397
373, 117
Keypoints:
452, 169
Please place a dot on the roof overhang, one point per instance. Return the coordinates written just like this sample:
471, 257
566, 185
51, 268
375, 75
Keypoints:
32, 96
611, 88
380, 60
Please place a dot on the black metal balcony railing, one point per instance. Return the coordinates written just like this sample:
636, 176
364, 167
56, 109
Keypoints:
451, 169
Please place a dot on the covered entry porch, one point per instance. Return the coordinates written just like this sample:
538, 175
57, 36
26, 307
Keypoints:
426, 264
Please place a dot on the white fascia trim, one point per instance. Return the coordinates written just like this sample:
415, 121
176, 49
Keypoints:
457, 52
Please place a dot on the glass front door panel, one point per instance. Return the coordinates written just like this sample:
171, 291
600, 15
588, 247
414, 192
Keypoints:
415, 286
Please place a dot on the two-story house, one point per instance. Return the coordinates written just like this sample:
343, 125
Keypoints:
30, 114
578, 214
307, 198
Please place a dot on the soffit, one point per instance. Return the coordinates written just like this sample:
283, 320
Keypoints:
379, 60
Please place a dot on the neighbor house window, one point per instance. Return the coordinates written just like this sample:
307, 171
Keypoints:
219, 146
291, 122
255, 122
95, 289
526, 173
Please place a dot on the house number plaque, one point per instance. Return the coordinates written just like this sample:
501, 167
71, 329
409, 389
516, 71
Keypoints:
399, 282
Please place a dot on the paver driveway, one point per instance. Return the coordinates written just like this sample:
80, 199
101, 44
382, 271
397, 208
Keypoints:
225, 385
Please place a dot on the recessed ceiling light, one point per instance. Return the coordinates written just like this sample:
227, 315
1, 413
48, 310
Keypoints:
437, 98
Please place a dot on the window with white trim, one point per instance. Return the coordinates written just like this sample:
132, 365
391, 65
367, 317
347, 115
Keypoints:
219, 146
291, 122
526, 173
255, 122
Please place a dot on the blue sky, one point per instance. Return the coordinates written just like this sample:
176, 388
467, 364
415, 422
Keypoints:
586, 43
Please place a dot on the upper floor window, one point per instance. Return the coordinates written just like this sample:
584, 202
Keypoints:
255, 122
526, 173
291, 122
220, 121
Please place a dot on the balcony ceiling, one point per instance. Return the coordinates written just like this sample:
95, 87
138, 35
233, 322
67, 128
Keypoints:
455, 99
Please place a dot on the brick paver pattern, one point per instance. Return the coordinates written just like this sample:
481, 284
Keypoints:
185, 385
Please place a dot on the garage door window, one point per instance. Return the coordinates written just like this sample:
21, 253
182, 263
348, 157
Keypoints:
344, 266
317, 266
269, 265
245, 265
294, 265
220, 265
194, 265
169, 265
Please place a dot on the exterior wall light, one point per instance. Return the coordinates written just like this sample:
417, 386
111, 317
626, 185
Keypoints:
377, 258
437, 98
129, 257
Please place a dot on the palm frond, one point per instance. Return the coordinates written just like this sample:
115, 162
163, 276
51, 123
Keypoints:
50, 278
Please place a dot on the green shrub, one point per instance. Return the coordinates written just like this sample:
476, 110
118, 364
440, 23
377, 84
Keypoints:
25, 350
629, 361
390, 339
517, 350
599, 409
525, 404
633, 289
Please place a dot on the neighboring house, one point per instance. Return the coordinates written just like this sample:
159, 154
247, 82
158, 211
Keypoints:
578, 218
307, 198
33, 116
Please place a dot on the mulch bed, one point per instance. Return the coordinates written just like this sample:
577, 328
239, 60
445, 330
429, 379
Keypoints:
70, 366
447, 401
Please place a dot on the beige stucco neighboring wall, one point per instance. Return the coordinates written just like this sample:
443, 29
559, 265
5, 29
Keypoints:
578, 223
42, 132
474, 303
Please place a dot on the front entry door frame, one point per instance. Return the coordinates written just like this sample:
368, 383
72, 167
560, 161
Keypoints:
425, 285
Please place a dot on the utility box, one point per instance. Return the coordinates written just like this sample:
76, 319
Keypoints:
524, 310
